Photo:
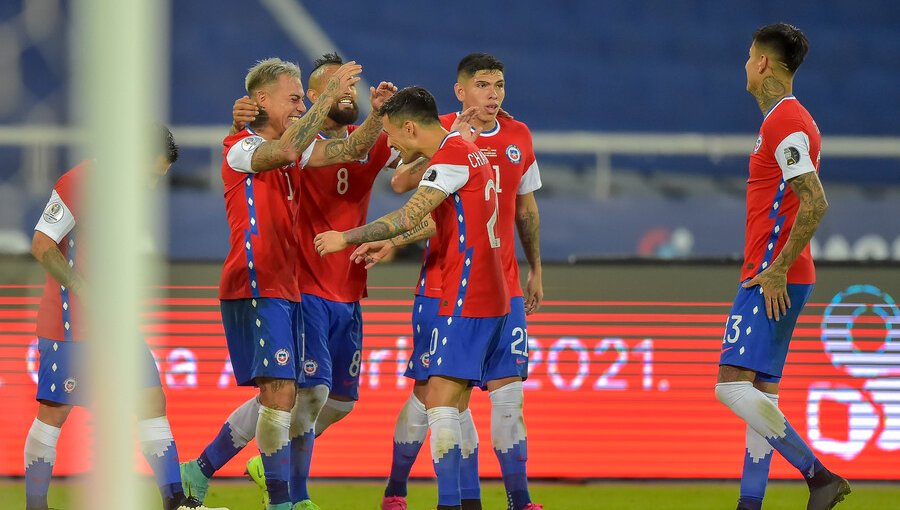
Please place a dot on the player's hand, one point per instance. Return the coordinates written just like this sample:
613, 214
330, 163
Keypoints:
505, 114
372, 253
345, 77
534, 292
329, 242
774, 288
380, 95
244, 112
464, 124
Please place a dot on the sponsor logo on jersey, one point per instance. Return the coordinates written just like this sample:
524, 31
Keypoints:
489, 152
791, 156
251, 142
425, 359
513, 154
310, 367
282, 356
758, 144
54, 212
69, 385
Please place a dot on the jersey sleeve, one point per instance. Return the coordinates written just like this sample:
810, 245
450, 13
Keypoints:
793, 157
531, 180
56, 220
240, 154
447, 178
307, 154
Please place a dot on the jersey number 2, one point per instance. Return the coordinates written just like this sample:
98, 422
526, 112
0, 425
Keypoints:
492, 221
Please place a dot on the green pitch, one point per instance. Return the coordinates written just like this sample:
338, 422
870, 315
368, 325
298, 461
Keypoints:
243, 495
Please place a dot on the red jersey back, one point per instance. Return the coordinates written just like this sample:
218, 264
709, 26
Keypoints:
336, 197
510, 152
261, 210
472, 282
788, 145
59, 315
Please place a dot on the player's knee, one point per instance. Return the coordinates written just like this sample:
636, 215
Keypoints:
277, 394
53, 414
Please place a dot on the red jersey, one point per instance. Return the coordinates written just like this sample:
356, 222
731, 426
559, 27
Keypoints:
262, 210
472, 281
58, 317
510, 152
336, 197
788, 145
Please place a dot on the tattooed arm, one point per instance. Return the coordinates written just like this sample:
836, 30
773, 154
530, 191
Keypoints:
373, 252
773, 280
54, 262
274, 154
407, 175
528, 223
360, 142
408, 217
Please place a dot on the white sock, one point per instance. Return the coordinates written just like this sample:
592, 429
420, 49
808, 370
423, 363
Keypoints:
333, 412
757, 446
445, 430
242, 422
753, 407
469, 438
272, 429
306, 409
507, 418
155, 436
412, 423
41, 443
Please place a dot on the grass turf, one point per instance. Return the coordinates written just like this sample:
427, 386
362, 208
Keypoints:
339, 495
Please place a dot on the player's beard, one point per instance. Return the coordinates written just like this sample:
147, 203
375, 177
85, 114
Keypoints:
343, 116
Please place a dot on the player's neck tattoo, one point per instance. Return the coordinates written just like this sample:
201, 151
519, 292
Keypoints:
770, 92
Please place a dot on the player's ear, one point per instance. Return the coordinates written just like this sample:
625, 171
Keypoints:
460, 92
409, 127
261, 97
763, 63
312, 95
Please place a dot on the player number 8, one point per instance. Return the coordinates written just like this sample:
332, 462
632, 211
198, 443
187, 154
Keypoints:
342, 183
354, 365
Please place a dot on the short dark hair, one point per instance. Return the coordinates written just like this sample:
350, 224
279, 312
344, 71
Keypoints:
412, 103
785, 40
171, 148
474, 62
327, 59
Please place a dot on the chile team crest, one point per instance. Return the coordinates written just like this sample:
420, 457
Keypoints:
282, 357
69, 385
513, 154
425, 359
310, 367
758, 144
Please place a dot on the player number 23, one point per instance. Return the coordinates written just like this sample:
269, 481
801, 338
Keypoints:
734, 332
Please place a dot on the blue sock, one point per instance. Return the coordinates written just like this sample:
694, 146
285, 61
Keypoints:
301, 459
40, 454
446, 453
510, 442
515, 478
275, 451
219, 451
757, 459
158, 447
402, 460
37, 483
795, 450
410, 432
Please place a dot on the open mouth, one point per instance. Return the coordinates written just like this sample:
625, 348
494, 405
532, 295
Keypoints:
346, 102
492, 108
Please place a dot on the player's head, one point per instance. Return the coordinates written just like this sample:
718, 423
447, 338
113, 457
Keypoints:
344, 111
275, 86
166, 153
778, 50
406, 116
480, 82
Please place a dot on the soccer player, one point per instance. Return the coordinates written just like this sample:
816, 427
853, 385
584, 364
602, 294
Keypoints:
60, 332
785, 203
332, 90
459, 189
507, 145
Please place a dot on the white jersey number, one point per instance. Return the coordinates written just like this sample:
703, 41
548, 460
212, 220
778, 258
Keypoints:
492, 222
342, 183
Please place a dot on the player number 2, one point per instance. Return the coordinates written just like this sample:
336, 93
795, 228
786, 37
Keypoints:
735, 333
520, 336
342, 182
492, 222
354, 364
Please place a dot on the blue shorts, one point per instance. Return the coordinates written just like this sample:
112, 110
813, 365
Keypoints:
61, 373
265, 338
510, 357
755, 342
459, 346
333, 345
424, 311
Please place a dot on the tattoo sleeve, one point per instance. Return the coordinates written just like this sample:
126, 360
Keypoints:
424, 230
813, 206
423, 201
528, 223
352, 148
407, 175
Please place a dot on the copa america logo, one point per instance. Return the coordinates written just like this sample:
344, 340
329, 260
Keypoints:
70, 384
282, 357
425, 359
310, 367
513, 153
